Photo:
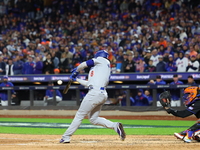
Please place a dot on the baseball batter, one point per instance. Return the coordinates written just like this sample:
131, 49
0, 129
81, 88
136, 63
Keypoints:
91, 105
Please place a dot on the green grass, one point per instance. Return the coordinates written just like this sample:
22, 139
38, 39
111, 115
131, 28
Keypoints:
129, 131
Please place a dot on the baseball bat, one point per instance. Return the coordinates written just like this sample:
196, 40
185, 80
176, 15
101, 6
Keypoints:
67, 87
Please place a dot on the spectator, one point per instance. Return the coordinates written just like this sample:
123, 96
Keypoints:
187, 55
181, 63
149, 97
124, 61
119, 59
154, 57
166, 57
9, 67
192, 51
141, 99
175, 92
55, 59
130, 65
64, 63
191, 81
76, 59
140, 66
2, 66
150, 67
56, 71
49, 95
17, 65
28, 67
160, 67
147, 56
193, 65
171, 65
5, 60
38, 68
3, 94
67, 54
48, 65
124, 6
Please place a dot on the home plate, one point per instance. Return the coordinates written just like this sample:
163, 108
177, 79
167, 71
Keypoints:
88, 141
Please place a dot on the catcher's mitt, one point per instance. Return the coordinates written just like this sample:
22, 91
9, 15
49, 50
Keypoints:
165, 99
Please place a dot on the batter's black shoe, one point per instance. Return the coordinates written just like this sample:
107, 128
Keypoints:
121, 132
64, 141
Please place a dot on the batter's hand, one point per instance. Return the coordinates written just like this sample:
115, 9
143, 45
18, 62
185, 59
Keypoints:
74, 74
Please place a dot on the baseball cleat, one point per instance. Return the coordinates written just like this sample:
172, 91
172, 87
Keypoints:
121, 132
64, 141
179, 136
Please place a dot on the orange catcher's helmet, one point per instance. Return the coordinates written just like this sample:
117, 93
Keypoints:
190, 94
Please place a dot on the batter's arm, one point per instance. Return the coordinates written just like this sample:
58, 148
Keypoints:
85, 64
82, 82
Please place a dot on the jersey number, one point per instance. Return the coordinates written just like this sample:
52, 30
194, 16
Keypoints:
92, 73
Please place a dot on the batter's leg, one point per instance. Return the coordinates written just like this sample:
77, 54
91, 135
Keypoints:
96, 120
85, 108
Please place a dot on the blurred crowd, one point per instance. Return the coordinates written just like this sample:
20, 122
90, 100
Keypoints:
54, 36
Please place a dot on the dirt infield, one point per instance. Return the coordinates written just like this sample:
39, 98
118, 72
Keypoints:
93, 142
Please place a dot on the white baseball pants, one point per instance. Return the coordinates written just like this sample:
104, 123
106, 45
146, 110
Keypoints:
91, 106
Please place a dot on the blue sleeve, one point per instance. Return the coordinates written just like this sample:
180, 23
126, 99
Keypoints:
161, 82
90, 63
39, 65
136, 98
132, 100
58, 93
47, 93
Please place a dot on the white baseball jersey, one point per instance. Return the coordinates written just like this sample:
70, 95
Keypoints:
182, 64
99, 74
155, 60
194, 64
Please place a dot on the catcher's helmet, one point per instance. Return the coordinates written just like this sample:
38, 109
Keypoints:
190, 94
101, 53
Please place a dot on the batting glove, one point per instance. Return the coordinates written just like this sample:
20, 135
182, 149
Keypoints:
72, 78
74, 74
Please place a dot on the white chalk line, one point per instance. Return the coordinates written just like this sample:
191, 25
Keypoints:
29, 143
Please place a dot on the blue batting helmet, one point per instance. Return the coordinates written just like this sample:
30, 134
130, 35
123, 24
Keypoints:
101, 53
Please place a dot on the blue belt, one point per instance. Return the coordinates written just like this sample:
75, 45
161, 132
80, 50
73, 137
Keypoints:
101, 88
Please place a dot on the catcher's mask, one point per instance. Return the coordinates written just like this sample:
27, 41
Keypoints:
190, 94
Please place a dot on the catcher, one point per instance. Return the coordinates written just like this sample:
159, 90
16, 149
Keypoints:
191, 97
